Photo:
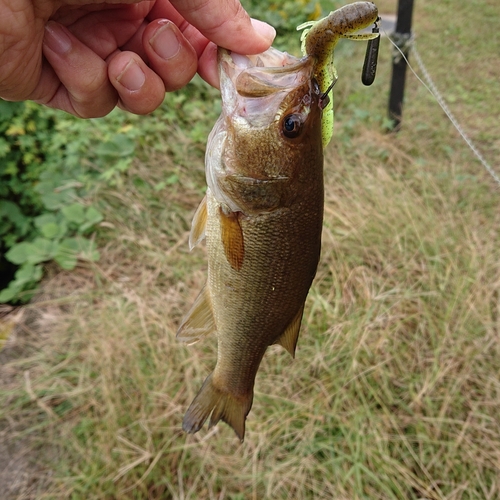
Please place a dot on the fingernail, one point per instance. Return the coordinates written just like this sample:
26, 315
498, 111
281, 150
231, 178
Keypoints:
264, 30
132, 77
165, 42
56, 38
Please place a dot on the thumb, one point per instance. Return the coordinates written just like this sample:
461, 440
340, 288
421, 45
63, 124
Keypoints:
226, 23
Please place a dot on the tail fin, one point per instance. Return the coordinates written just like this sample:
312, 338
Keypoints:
221, 405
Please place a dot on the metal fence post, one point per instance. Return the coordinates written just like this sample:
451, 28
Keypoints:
402, 38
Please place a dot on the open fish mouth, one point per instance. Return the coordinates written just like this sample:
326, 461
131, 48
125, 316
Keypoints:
253, 87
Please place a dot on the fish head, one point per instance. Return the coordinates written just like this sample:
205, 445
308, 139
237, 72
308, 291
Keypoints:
269, 133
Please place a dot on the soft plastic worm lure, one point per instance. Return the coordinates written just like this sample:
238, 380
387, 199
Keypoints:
319, 39
371, 57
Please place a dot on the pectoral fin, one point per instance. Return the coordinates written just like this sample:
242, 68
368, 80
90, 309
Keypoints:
199, 321
288, 339
232, 238
198, 225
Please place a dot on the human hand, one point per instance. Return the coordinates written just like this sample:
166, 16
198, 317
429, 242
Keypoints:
100, 53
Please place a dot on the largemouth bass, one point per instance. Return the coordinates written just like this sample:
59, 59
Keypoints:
262, 219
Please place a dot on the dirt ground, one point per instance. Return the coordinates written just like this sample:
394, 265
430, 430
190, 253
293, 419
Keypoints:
21, 475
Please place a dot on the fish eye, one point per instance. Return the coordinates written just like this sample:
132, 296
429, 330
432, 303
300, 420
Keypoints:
292, 126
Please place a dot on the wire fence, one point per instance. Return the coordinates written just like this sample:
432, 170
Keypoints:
433, 90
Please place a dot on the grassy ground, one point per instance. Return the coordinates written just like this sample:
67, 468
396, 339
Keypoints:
395, 390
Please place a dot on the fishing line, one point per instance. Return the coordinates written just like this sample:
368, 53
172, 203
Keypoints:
432, 89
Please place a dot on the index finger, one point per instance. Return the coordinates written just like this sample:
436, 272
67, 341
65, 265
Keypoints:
226, 23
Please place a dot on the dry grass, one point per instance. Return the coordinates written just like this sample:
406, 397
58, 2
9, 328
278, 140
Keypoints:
395, 390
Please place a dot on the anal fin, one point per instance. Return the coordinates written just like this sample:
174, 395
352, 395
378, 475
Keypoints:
199, 321
288, 339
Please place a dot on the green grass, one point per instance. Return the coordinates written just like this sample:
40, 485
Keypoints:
395, 390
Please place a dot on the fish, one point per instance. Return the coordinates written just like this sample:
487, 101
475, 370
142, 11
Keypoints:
262, 220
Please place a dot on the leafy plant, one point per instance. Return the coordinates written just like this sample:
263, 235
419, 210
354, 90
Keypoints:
52, 241
48, 163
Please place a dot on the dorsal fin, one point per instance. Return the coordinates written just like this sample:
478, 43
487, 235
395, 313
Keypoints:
288, 339
198, 225
232, 238
199, 321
